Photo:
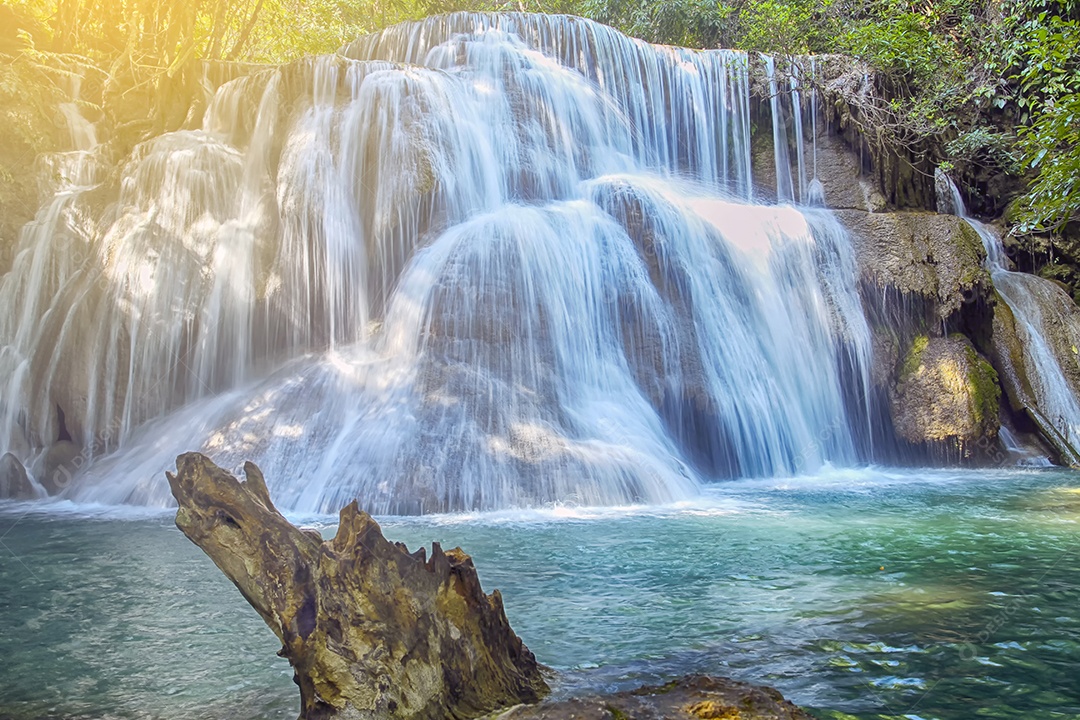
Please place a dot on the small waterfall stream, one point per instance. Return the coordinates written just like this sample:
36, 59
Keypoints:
1027, 296
474, 262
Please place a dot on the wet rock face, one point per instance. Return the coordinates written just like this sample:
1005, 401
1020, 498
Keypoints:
936, 258
14, 482
371, 630
1016, 355
946, 393
690, 698
844, 185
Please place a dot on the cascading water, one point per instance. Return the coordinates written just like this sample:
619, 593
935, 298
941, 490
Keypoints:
473, 262
1054, 398
795, 182
52, 249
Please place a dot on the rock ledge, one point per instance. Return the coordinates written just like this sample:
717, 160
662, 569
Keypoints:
695, 697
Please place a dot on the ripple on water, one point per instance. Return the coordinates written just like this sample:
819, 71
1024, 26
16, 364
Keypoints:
941, 595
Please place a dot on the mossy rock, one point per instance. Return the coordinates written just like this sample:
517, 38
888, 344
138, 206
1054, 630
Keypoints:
938, 258
913, 359
984, 387
946, 392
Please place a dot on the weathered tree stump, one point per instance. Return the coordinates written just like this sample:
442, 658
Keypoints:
371, 630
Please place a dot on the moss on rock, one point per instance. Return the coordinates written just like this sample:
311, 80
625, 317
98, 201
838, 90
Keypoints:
913, 359
984, 387
938, 258
946, 393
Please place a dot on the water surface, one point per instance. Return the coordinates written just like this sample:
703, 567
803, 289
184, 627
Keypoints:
863, 593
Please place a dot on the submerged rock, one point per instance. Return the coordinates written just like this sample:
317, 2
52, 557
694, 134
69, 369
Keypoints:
947, 393
14, 482
695, 697
371, 630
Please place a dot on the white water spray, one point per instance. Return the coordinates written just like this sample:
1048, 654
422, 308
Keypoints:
476, 262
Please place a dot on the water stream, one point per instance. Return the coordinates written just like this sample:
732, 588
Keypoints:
1028, 298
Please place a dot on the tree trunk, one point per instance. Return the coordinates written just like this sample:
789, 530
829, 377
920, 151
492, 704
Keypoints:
371, 630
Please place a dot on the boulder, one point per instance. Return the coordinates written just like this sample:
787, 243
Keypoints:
946, 394
371, 630
14, 482
695, 697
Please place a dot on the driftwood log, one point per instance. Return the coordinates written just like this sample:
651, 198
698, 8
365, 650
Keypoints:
371, 630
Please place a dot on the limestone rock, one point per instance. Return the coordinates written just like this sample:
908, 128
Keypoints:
14, 483
840, 173
936, 257
371, 630
946, 393
943, 188
1015, 354
690, 698
1008, 357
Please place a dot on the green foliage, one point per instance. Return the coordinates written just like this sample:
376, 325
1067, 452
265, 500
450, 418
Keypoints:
30, 91
784, 26
165, 35
902, 46
1051, 146
954, 76
1040, 60
775, 26
985, 147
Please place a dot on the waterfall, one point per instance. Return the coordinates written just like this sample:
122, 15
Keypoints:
798, 183
51, 252
1028, 298
815, 190
473, 262
796, 114
785, 185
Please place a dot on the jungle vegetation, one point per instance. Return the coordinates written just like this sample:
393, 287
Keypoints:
990, 84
